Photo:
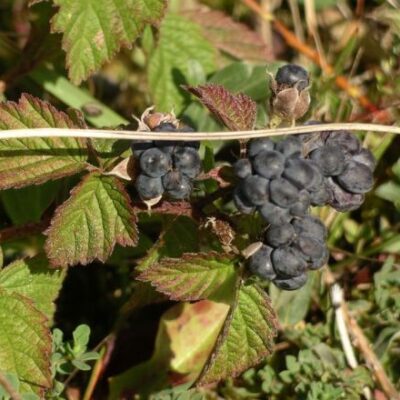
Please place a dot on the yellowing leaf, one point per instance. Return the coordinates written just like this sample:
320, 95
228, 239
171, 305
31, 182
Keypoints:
185, 338
96, 217
94, 30
31, 161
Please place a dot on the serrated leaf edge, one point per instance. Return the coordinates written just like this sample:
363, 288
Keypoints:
186, 257
120, 44
54, 262
201, 381
46, 334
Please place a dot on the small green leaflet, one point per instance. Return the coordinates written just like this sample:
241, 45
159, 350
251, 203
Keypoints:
25, 162
94, 30
96, 217
246, 338
25, 343
34, 279
174, 60
191, 277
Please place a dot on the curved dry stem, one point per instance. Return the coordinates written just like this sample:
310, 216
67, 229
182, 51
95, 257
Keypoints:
224, 135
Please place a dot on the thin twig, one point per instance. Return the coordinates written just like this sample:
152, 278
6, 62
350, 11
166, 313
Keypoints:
171, 136
362, 343
8, 387
18, 232
337, 301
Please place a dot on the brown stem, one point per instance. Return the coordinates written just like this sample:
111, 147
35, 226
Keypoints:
370, 357
100, 366
166, 207
8, 388
362, 343
18, 232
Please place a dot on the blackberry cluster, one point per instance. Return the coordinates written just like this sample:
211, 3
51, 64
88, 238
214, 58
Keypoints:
166, 167
282, 181
347, 167
279, 182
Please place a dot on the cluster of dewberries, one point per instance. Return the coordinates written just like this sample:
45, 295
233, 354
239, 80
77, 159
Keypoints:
347, 167
279, 182
283, 180
166, 167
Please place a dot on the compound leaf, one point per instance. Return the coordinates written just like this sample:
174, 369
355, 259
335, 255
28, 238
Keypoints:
192, 277
25, 343
237, 111
94, 30
30, 161
33, 278
181, 50
246, 338
87, 226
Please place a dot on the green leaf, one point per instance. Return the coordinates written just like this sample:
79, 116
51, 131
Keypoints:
25, 162
94, 30
389, 191
191, 277
180, 47
246, 78
29, 203
60, 87
81, 336
25, 343
33, 278
231, 37
96, 217
237, 111
247, 336
81, 365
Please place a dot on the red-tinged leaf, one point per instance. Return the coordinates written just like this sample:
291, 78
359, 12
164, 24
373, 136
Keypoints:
246, 338
96, 217
236, 111
32, 161
25, 343
233, 38
34, 279
191, 277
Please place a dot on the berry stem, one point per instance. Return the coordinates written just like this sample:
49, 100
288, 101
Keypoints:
173, 136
